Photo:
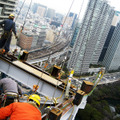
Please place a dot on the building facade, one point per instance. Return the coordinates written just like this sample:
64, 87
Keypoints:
50, 13
115, 20
102, 55
6, 7
41, 11
75, 34
111, 60
92, 35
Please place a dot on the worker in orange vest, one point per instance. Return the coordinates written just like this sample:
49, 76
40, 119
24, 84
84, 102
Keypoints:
23, 110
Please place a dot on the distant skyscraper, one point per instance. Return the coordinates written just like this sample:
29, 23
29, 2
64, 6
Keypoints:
115, 20
106, 44
111, 60
41, 10
34, 7
70, 20
6, 7
92, 35
59, 17
50, 13
112, 57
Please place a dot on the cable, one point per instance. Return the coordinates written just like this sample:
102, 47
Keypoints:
20, 10
76, 24
94, 87
26, 15
62, 92
65, 19
71, 112
44, 102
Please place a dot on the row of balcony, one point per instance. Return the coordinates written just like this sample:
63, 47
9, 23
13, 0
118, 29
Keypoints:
7, 3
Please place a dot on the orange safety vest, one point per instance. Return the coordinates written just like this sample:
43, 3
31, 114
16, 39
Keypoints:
20, 111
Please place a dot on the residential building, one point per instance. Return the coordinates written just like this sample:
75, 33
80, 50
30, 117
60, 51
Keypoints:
92, 35
6, 7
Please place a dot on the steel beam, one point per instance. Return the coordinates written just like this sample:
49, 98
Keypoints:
29, 78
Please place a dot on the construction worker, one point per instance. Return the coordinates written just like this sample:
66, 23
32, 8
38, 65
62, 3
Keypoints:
23, 110
8, 26
10, 91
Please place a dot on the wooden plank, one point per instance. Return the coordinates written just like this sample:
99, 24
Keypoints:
37, 73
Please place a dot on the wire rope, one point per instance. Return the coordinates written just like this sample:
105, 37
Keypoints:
27, 14
20, 10
59, 37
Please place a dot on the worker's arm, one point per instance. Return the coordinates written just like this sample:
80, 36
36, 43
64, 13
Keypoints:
14, 29
5, 111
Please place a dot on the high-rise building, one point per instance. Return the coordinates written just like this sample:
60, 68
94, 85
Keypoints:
59, 17
50, 13
41, 10
34, 7
115, 20
102, 55
92, 35
111, 60
6, 7
70, 20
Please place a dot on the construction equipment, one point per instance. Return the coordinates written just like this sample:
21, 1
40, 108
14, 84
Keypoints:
78, 97
55, 71
69, 83
87, 86
23, 57
44, 84
55, 114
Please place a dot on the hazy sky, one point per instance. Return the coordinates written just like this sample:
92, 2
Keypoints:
63, 6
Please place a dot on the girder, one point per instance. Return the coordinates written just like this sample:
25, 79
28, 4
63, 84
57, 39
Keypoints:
29, 76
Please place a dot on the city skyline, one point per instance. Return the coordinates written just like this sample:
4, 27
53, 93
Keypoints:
62, 6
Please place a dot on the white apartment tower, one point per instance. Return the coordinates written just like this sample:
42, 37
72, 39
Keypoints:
6, 7
111, 60
92, 35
